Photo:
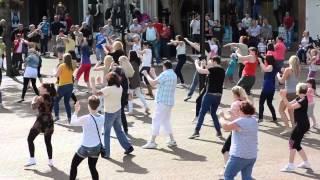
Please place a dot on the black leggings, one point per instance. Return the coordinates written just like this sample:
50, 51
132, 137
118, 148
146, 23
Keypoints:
25, 86
92, 166
74, 98
241, 67
269, 97
297, 136
47, 139
142, 76
227, 145
181, 61
124, 119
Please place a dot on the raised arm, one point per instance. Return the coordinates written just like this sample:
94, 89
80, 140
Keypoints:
265, 68
199, 68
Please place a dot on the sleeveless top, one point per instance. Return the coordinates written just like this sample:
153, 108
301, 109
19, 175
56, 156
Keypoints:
269, 80
249, 68
291, 82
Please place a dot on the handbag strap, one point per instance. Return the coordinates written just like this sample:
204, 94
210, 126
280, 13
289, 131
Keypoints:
94, 120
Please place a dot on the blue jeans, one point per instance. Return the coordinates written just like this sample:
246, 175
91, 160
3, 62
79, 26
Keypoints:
289, 38
100, 54
236, 164
156, 50
194, 83
64, 92
209, 102
114, 120
302, 55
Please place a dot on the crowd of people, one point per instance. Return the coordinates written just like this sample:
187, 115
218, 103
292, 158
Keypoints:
125, 74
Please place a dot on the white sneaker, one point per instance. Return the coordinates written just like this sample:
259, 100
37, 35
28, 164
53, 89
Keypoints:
171, 143
286, 131
150, 145
31, 162
288, 168
304, 165
195, 120
50, 163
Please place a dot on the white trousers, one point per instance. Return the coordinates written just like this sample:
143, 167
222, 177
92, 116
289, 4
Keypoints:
137, 91
162, 118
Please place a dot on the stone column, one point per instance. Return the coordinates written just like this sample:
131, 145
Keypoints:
85, 8
216, 10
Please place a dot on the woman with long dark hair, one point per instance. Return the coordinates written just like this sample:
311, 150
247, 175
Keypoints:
268, 87
134, 83
65, 86
44, 123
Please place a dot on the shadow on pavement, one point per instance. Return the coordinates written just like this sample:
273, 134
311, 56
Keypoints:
308, 174
129, 166
76, 129
55, 173
184, 155
137, 141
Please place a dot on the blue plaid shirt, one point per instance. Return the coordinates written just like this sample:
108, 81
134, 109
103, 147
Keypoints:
167, 87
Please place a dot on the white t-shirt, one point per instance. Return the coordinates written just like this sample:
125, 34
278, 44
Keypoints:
181, 49
136, 47
195, 26
30, 72
146, 58
90, 136
112, 98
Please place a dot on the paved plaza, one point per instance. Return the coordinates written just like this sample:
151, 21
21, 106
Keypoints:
198, 159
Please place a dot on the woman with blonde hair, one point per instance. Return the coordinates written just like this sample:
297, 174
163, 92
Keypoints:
239, 96
116, 51
108, 60
290, 78
126, 66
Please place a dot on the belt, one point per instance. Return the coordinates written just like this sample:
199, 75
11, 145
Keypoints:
215, 94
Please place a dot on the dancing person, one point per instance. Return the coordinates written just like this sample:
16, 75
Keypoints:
212, 97
116, 51
300, 107
108, 60
304, 46
91, 144
146, 54
100, 42
134, 83
244, 143
243, 47
165, 99
112, 108
268, 87
31, 72
279, 53
65, 86
239, 96
231, 67
290, 78
313, 67
61, 39
250, 62
85, 64
44, 122
181, 56
311, 103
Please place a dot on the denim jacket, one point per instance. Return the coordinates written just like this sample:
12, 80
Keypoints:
32, 60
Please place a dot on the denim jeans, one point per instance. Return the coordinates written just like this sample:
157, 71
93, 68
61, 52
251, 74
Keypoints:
235, 165
64, 92
100, 54
114, 120
44, 44
194, 83
289, 38
156, 50
209, 102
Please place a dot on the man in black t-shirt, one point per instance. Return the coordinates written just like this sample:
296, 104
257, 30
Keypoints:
34, 36
56, 25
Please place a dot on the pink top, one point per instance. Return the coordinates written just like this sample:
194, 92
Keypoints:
310, 95
279, 51
235, 110
270, 53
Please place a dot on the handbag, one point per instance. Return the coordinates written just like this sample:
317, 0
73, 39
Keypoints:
102, 149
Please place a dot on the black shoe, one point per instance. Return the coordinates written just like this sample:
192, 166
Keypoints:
56, 119
187, 98
260, 120
128, 151
219, 134
274, 120
195, 135
21, 101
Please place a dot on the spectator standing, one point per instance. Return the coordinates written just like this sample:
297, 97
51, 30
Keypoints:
288, 22
217, 31
238, 32
18, 44
305, 44
108, 29
135, 27
152, 37
256, 7
195, 28
266, 30
34, 36
56, 25
165, 37
44, 26
89, 20
68, 20
279, 53
100, 42
246, 21
254, 33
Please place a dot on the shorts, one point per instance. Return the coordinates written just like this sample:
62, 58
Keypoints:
61, 49
92, 152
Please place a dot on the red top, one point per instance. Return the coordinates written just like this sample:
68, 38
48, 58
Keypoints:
288, 22
279, 51
166, 33
249, 68
158, 27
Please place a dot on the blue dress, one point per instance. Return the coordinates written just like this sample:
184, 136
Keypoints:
231, 67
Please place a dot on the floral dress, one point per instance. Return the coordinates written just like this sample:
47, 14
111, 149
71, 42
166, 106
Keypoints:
44, 122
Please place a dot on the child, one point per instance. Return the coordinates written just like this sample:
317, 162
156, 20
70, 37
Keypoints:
262, 47
313, 67
146, 54
231, 67
91, 146
2, 55
310, 95
136, 44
